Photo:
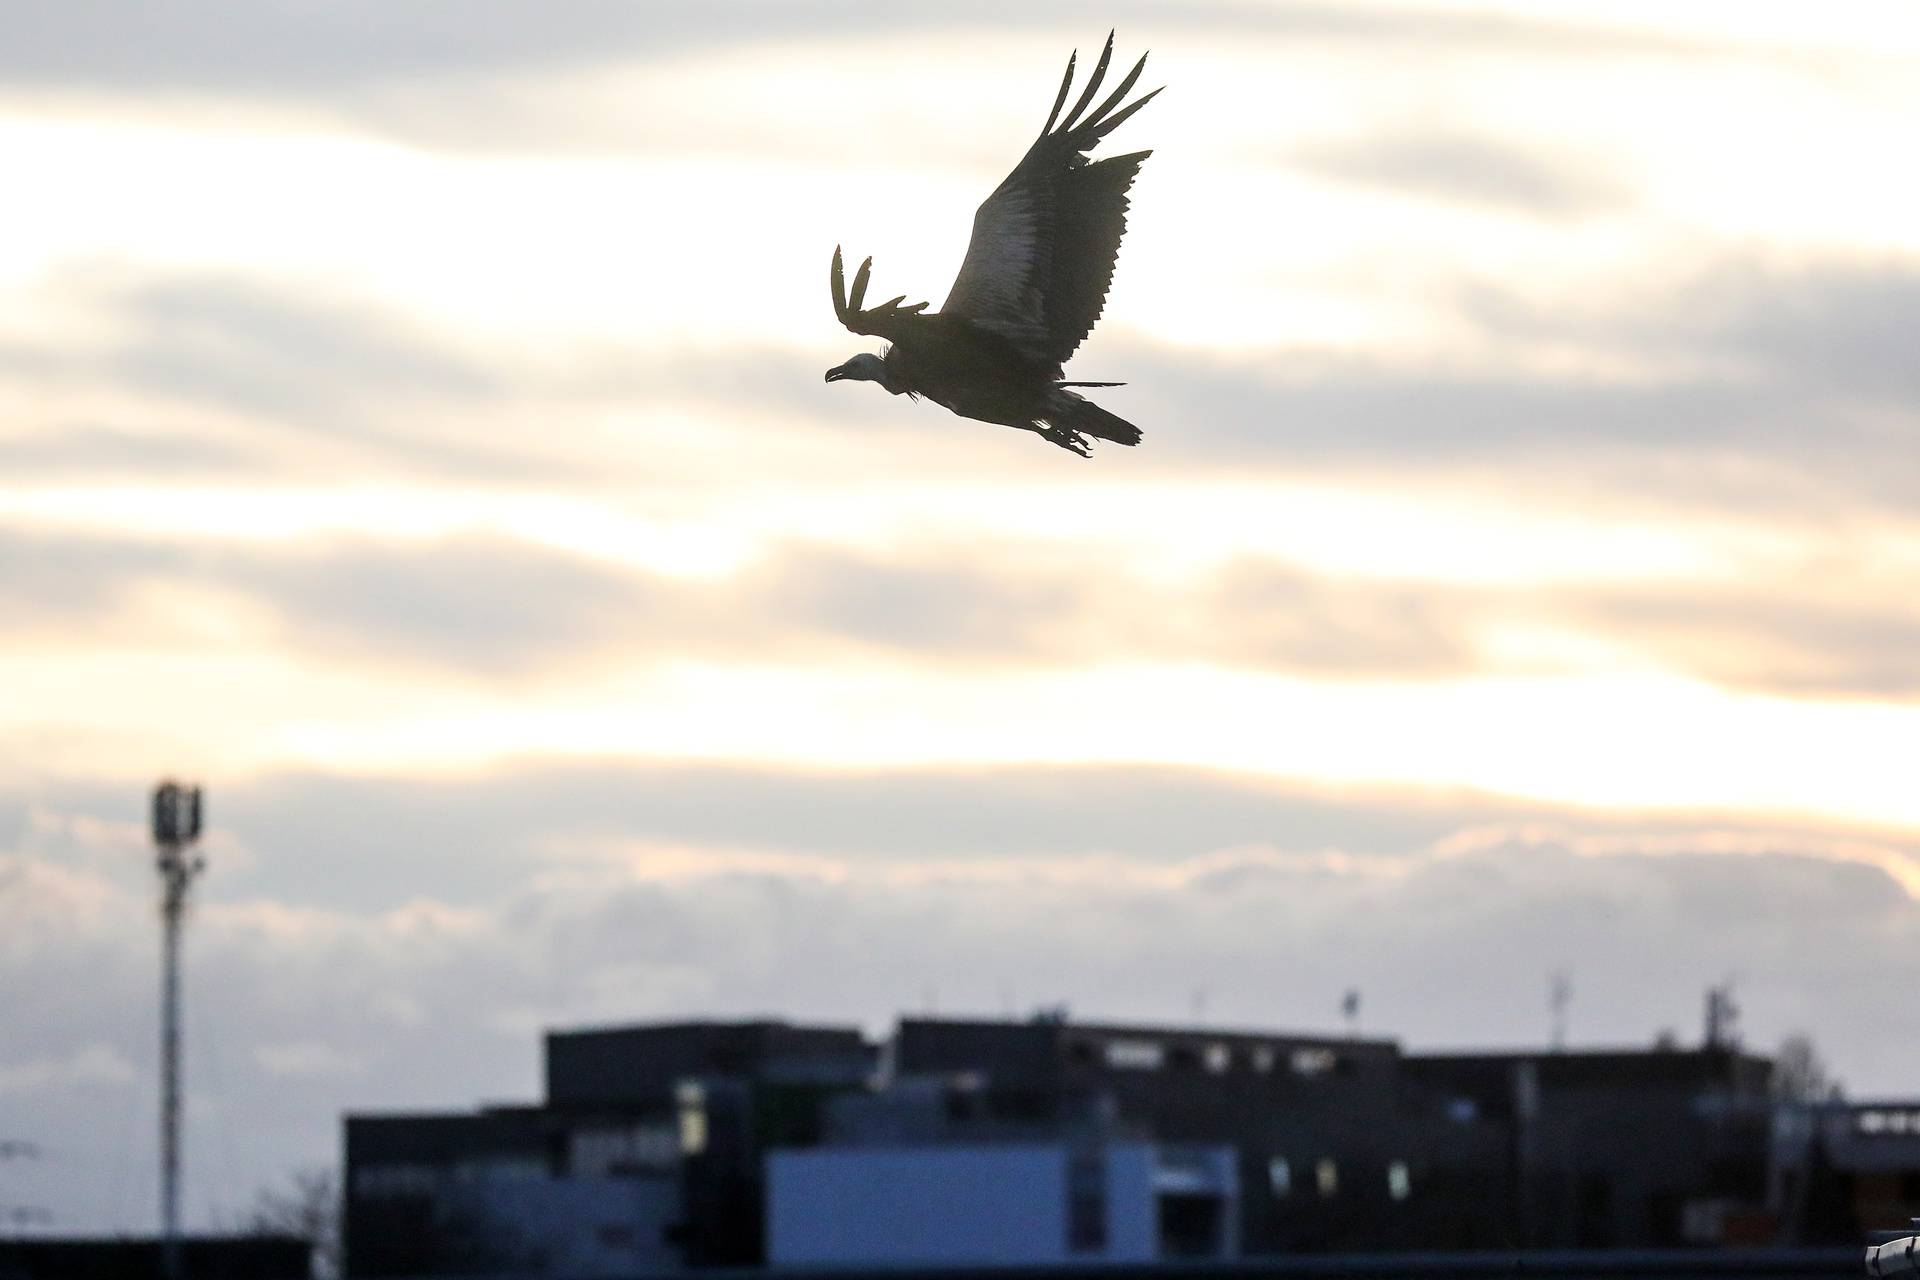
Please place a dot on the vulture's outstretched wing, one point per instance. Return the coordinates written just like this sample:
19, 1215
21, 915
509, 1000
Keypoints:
1044, 243
883, 321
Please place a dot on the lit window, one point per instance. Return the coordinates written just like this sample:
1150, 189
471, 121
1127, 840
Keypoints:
693, 1117
1326, 1175
1399, 1180
1135, 1055
1219, 1058
1263, 1057
1312, 1062
1279, 1177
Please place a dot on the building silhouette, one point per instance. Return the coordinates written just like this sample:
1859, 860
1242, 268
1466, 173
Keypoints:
702, 1144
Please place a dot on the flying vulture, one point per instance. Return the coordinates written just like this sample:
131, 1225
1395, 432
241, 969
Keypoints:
1033, 282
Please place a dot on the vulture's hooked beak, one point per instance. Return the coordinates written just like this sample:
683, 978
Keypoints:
836, 373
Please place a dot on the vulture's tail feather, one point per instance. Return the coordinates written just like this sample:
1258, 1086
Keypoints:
1071, 413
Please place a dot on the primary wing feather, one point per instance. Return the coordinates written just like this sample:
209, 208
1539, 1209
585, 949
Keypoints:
1045, 242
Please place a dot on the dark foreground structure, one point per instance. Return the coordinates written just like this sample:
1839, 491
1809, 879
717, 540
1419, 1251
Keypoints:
1762, 1264
201, 1258
1081, 1146
1346, 1144
647, 1155
1767, 1264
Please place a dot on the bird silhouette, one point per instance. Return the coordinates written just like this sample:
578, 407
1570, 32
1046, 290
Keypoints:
1033, 283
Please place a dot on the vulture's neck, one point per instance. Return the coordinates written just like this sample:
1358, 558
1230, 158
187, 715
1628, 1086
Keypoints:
891, 377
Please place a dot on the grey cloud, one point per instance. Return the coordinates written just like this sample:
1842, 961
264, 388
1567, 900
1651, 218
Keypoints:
330, 378
1467, 169
326, 386
88, 450
967, 608
486, 607
58, 580
259, 348
441, 1008
493, 606
370, 843
1795, 639
1314, 410
478, 604
1843, 330
1771, 389
1822, 334
496, 609
282, 49
1269, 615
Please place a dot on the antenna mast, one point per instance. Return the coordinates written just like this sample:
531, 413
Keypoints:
1559, 997
176, 825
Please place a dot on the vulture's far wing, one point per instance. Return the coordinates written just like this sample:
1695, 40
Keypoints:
1045, 242
887, 320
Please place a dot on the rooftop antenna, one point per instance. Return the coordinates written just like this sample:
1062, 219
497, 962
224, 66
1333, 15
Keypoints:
1350, 1010
1560, 996
1723, 1017
176, 825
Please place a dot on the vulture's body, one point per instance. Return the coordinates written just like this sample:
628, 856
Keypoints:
1032, 285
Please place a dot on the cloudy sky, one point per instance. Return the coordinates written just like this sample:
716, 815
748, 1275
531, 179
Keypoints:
412, 426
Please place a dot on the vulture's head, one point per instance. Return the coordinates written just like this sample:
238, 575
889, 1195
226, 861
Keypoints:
865, 367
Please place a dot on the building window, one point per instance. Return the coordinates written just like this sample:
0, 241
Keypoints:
1279, 1177
1883, 1120
1326, 1176
1399, 1180
1312, 1062
692, 1100
1263, 1057
1135, 1055
1219, 1058
604, 1152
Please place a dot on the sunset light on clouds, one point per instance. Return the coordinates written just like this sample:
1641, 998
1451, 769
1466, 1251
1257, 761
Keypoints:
412, 426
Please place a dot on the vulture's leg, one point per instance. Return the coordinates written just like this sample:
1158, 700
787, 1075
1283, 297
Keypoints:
1069, 440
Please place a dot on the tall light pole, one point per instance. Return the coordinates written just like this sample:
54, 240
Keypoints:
176, 825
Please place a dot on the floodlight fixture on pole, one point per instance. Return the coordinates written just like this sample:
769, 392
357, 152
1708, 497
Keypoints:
176, 825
